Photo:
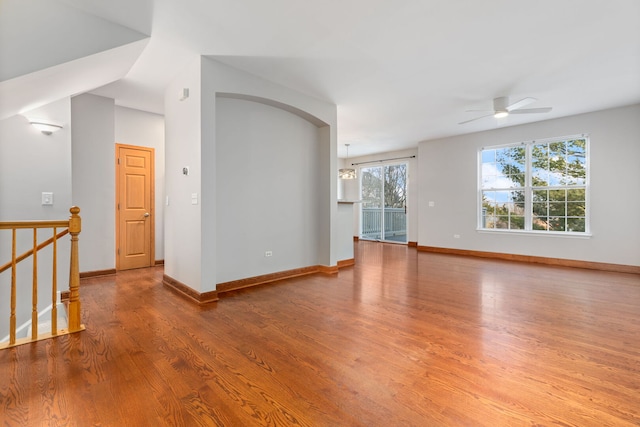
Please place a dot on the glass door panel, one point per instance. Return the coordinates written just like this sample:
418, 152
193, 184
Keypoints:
372, 185
395, 203
384, 201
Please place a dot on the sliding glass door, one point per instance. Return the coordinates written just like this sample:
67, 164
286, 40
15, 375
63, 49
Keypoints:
384, 203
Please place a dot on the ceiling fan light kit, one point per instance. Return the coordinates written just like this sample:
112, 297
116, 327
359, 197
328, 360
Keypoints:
502, 108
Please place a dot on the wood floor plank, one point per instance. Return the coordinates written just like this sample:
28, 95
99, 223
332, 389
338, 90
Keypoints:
401, 338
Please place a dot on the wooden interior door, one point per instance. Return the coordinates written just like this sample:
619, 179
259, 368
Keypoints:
134, 207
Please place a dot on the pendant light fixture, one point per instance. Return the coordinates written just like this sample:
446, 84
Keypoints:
347, 173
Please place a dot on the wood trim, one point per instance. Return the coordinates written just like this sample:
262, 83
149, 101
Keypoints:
95, 273
619, 268
41, 337
328, 269
265, 278
412, 244
8, 225
356, 238
346, 263
159, 262
234, 285
191, 294
64, 296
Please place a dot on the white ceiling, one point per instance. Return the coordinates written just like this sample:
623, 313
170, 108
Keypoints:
400, 72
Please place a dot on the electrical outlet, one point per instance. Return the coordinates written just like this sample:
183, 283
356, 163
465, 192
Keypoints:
456, 236
268, 253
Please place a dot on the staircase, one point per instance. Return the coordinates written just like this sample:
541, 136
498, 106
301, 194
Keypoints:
57, 318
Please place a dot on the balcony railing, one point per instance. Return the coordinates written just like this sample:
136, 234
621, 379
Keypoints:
395, 223
58, 229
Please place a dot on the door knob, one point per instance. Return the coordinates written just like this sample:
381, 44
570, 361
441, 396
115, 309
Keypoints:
146, 214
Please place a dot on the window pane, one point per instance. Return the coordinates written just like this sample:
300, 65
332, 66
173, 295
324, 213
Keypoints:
517, 222
576, 209
557, 208
540, 165
541, 209
539, 177
372, 187
540, 223
502, 222
576, 224
488, 181
556, 186
540, 195
517, 180
557, 195
576, 195
489, 221
519, 208
559, 163
503, 167
488, 156
556, 224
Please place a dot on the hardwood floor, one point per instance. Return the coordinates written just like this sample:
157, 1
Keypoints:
402, 338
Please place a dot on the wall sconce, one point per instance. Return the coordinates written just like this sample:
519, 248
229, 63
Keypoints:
46, 128
347, 173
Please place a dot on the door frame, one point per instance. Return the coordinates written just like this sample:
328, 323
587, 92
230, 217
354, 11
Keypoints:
152, 191
406, 202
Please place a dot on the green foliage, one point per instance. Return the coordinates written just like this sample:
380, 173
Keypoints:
558, 179
395, 185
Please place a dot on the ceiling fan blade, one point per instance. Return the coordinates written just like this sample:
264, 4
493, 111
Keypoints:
474, 119
531, 110
520, 104
478, 111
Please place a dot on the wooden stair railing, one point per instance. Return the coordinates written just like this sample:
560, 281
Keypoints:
72, 227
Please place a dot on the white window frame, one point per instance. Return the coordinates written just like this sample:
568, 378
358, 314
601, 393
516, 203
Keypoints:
528, 190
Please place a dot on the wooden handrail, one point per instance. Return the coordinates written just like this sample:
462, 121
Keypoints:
42, 245
72, 227
9, 225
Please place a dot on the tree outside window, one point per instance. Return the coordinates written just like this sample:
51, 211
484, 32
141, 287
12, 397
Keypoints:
535, 186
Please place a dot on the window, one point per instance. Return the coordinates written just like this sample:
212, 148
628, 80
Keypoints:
537, 186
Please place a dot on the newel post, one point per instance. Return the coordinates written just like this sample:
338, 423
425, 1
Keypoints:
74, 273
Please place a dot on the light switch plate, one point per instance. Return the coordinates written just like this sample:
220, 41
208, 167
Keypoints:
47, 199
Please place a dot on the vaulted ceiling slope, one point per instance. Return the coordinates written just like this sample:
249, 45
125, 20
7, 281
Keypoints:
49, 50
400, 72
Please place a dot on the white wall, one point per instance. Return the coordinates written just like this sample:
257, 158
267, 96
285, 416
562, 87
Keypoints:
191, 249
448, 177
267, 186
182, 225
93, 178
143, 129
70, 34
32, 163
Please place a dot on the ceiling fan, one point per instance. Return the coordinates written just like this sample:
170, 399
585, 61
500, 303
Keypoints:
502, 108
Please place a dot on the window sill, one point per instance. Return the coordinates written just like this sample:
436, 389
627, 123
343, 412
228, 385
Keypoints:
560, 234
